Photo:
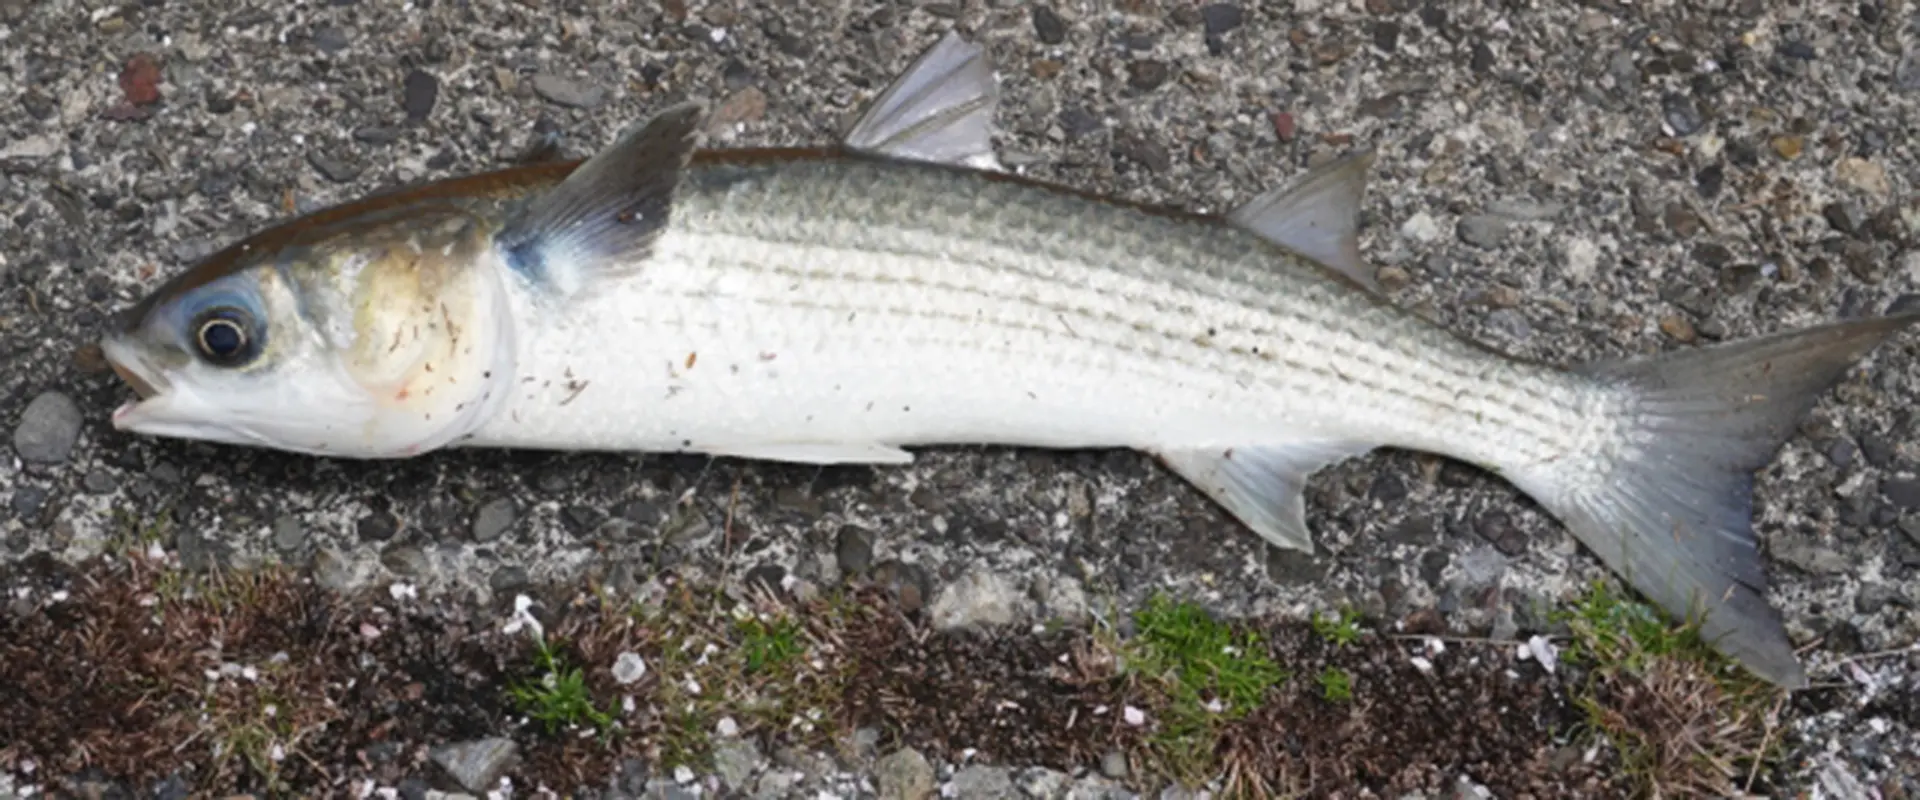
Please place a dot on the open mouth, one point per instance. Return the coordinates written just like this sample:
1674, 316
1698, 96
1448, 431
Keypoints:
136, 372
140, 385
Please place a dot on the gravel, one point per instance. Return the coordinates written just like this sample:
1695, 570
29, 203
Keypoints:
1708, 176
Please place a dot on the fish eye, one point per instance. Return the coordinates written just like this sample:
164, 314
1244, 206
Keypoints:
223, 337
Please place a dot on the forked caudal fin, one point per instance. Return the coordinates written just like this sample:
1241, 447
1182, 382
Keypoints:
1670, 507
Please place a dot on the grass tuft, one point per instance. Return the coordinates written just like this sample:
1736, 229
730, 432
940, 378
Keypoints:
1685, 720
558, 698
1205, 672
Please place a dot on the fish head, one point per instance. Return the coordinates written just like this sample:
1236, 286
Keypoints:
379, 336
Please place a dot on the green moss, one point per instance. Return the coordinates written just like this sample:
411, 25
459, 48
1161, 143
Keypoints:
1340, 630
1336, 685
1207, 672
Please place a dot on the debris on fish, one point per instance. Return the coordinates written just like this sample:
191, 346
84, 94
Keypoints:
843, 304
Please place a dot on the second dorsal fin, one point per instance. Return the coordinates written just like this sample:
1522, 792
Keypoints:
939, 110
1316, 215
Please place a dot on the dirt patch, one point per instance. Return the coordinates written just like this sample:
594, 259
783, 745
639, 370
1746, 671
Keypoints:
264, 683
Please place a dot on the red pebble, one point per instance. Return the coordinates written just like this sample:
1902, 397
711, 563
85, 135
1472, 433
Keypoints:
140, 79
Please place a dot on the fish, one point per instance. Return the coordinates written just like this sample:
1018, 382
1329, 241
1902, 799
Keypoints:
900, 288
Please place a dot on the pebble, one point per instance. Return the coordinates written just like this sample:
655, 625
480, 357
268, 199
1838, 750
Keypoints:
629, 667
1078, 122
978, 598
1810, 557
198, 553
853, 550
418, 93
48, 429
40, 146
1485, 231
140, 79
1048, 25
1219, 18
1289, 567
335, 169
493, 520
1904, 492
1874, 596
1864, 175
330, 39
1525, 210
378, 526
1143, 150
736, 760
508, 578
1581, 257
28, 500
1682, 115
1482, 60
1677, 327
1421, 227
1844, 216
567, 91
1498, 528
904, 775
1114, 765
477, 765
288, 534
1511, 323
981, 782
1147, 75
100, 481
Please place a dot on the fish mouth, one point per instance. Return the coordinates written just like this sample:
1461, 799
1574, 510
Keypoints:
139, 375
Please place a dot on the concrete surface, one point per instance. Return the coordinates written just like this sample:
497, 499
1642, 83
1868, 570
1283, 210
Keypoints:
1563, 181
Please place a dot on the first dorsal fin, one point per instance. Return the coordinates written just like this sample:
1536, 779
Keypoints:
604, 217
939, 110
1317, 215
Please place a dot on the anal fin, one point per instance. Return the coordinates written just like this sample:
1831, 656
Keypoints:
1264, 486
822, 453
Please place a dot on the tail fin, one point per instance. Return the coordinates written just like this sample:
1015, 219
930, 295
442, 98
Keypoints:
1670, 509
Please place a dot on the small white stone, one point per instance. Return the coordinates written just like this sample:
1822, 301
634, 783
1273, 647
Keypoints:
727, 727
629, 667
1134, 716
1582, 256
1421, 227
682, 775
1544, 652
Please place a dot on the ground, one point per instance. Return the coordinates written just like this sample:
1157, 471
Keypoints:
1562, 181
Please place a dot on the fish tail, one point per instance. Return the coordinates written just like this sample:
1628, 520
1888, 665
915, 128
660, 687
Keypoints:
1668, 501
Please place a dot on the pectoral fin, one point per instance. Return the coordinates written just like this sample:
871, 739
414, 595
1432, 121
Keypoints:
940, 110
1265, 486
604, 217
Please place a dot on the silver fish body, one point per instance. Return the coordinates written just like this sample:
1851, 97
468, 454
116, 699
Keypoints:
836, 302
841, 305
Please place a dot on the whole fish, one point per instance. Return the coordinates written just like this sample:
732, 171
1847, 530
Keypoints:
840, 304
